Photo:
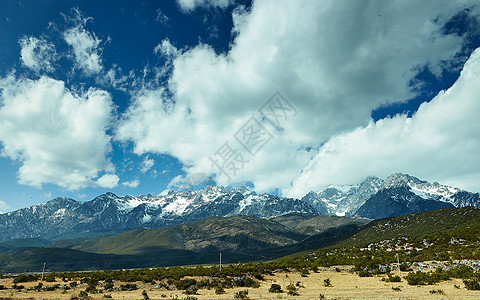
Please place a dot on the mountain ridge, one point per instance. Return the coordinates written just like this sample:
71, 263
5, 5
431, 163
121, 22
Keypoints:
108, 214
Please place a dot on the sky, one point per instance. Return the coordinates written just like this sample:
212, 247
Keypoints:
285, 97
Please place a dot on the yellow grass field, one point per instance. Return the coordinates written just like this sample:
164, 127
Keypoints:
345, 285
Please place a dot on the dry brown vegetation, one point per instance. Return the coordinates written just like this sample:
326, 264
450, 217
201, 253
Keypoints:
345, 285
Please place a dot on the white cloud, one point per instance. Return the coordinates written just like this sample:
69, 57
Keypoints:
113, 78
147, 164
58, 136
189, 6
4, 207
86, 49
161, 17
441, 142
131, 184
166, 49
107, 181
334, 61
37, 54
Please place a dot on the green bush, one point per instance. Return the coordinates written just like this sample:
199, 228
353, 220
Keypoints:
192, 290
364, 273
185, 283
219, 290
18, 287
50, 277
108, 285
471, 284
25, 278
128, 287
327, 282
51, 288
292, 290
241, 295
38, 287
421, 278
275, 288
395, 278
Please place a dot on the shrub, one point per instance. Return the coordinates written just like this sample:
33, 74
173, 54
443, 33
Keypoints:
192, 290
471, 284
292, 290
421, 278
82, 295
395, 278
439, 292
128, 287
396, 288
145, 295
108, 296
241, 295
52, 287
275, 288
185, 283
327, 282
38, 287
249, 282
50, 277
108, 285
2, 287
25, 278
219, 290
364, 273
18, 287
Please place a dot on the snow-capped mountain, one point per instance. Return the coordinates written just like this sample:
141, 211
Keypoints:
61, 218
403, 194
397, 195
108, 213
343, 200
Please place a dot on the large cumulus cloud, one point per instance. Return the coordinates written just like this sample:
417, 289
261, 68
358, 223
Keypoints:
335, 61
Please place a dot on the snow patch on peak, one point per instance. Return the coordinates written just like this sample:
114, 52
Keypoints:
245, 202
342, 188
178, 206
146, 218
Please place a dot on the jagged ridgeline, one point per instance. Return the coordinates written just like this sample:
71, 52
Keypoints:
191, 227
62, 218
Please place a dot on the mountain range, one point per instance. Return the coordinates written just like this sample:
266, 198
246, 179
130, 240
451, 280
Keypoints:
399, 194
238, 238
108, 214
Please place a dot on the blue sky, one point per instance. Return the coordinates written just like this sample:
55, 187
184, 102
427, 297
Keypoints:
139, 97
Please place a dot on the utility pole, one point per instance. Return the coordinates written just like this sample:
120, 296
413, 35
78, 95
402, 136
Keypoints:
220, 262
398, 264
43, 271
